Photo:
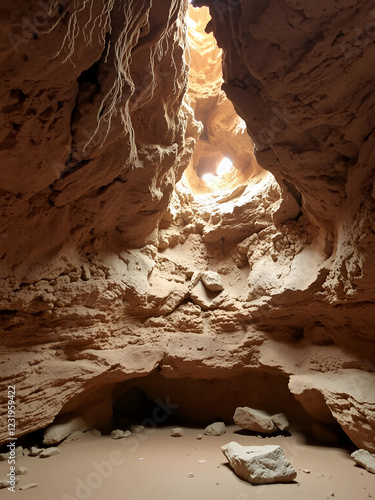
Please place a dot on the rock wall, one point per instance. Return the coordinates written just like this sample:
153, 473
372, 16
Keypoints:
112, 268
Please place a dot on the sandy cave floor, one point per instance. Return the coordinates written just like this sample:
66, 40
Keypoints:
157, 466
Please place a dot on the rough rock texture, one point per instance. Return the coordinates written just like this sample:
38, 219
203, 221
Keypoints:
364, 459
63, 427
259, 464
100, 240
215, 429
254, 420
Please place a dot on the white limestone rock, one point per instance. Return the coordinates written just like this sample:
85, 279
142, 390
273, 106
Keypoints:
177, 432
4, 483
212, 281
281, 422
28, 486
206, 299
35, 451
254, 420
117, 434
63, 427
49, 452
259, 464
215, 429
365, 459
20, 471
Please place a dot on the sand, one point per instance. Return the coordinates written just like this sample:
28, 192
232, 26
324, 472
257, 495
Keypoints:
154, 465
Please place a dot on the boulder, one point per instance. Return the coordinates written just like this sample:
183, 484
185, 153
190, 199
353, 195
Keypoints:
259, 464
215, 429
212, 281
281, 422
365, 459
63, 427
254, 420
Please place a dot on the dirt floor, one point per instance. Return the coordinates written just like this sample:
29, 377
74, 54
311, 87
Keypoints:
154, 465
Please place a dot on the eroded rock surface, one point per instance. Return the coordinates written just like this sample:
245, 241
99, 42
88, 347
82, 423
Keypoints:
102, 237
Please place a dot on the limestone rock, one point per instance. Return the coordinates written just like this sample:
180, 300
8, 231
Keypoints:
281, 422
205, 298
28, 486
365, 459
254, 420
117, 434
215, 429
5, 484
35, 451
177, 432
259, 464
20, 471
212, 281
49, 452
63, 427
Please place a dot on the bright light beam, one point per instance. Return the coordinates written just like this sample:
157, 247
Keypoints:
209, 179
224, 167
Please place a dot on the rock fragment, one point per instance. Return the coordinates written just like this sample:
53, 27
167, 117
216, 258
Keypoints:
254, 420
365, 459
212, 281
20, 471
259, 464
177, 432
49, 452
215, 429
281, 422
28, 486
35, 451
63, 427
117, 434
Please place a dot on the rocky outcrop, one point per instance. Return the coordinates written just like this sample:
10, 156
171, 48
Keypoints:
115, 264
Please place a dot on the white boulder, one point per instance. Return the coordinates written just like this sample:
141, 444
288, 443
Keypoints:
254, 420
259, 464
365, 459
215, 429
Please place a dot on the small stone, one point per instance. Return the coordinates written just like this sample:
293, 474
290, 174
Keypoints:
365, 459
281, 422
199, 436
215, 429
20, 471
331, 494
4, 483
177, 432
117, 434
4, 457
306, 471
26, 452
127, 434
49, 452
86, 274
35, 451
191, 474
137, 429
212, 281
202, 461
28, 486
